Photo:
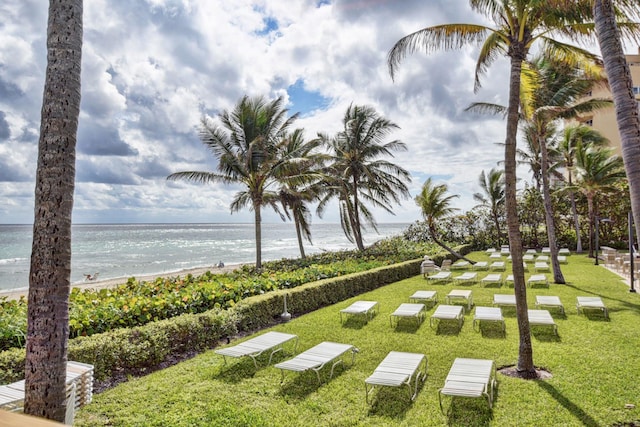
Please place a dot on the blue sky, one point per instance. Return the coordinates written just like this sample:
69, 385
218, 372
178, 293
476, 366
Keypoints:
153, 68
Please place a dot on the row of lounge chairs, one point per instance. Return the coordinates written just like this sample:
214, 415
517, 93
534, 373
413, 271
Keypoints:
490, 278
467, 377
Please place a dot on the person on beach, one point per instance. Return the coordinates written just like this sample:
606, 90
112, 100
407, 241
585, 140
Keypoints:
220, 264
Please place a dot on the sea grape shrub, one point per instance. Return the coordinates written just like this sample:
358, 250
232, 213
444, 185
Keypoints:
13, 322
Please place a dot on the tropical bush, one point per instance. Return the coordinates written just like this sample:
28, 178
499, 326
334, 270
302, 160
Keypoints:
137, 303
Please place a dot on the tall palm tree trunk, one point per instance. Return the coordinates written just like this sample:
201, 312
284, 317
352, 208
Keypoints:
576, 221
525, 364
257, 215
296, 221
592, 222
625, 103
49, 276
498, 231
548, 213
357, 230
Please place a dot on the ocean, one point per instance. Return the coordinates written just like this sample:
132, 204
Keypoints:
126, 250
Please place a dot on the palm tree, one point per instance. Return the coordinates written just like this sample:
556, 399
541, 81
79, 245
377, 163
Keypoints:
597, 171
571, 136
606, 14
436, 206
298, 182
518, 25
552, 91
357, 173
49, 276
246, 149
492, 196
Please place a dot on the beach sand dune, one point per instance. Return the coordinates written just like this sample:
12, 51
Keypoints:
110, 283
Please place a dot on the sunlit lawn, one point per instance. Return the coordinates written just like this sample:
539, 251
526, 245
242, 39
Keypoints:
594, 365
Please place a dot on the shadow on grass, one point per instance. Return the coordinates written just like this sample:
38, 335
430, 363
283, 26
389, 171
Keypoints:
468, 412
448, 327
355, 322
237, 371
577, 411
627, 304
492, 330
391, 402
297, 386
544, 333
408, 326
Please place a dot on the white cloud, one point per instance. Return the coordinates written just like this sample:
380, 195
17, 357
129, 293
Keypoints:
153, 68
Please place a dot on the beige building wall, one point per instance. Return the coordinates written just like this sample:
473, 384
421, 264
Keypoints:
604, 120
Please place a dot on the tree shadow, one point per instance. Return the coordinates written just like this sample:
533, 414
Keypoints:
577, 411
408, 326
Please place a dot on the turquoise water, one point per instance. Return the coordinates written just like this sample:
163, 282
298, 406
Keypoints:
125, 250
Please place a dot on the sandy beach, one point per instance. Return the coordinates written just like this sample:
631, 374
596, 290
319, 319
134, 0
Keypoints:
108, 283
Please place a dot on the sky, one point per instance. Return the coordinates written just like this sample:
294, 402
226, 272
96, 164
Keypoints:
152, 69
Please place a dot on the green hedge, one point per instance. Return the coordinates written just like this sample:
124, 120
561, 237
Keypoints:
147, 346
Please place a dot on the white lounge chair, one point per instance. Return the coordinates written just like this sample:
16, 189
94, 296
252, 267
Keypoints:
448, 312
562, 259
591, 303
542, 258
551, 301
531, 251
470, 378
460, 265
317, 357
541, 266
504, 300
564, 251
446, 265
546, 250
528, 257
367, 309
495, 256
254, 347
491, 251
504, 251
542, 318
410, 310
424, 296
460, 294
396, 370
498, 265
488, 314
441, 275
481, 265
538, 279
492, 278
509, 279
466, 277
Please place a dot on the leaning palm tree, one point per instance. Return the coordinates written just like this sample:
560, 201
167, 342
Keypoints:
357, 173
246, 147
435, 206
298, 180
518, 25
597, 171
49, 276
492, 196
610, 30
565, 150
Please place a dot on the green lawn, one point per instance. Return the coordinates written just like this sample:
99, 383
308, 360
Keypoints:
593, 363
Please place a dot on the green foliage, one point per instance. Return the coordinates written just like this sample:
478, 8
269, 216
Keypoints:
13, 322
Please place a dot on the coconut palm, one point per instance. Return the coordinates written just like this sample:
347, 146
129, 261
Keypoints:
492, 196
610, 31
49, 276
518, 25
435, 205
246, 147
357, 173
571, 136
298, 182
597, 171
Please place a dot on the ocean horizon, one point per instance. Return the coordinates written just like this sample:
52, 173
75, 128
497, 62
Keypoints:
115, 251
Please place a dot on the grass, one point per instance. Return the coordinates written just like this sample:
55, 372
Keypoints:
593, 362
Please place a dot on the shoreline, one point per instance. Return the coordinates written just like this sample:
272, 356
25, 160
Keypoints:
113, 282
